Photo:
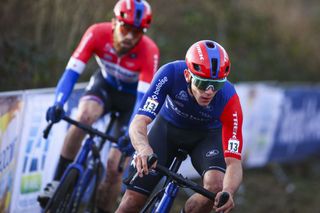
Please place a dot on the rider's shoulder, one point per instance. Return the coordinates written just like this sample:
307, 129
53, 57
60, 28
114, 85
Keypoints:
176, 65
173, 68
100, 28
147, 43
228, 90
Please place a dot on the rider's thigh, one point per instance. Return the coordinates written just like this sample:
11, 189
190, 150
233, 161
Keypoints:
89, 111
213, 180
132, 202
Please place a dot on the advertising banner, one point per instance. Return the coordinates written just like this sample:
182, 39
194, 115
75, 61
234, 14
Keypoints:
37, 156
10, 128
297, 134
261, 109
280, 125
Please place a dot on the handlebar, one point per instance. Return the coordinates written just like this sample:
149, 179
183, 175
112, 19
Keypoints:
181, 180
87, 128
133, 175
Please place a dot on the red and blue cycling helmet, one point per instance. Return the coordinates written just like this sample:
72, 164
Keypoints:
134, 12
208, 64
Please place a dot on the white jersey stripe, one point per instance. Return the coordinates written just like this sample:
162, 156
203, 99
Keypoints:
143, 86
76, 65
119, 72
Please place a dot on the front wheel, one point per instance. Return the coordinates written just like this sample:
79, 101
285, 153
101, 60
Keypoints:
60, 201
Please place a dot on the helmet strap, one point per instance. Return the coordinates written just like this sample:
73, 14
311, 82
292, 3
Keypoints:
189, 87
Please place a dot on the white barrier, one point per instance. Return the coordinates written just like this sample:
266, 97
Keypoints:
27, 161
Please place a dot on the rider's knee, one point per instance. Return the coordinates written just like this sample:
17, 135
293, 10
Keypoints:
89, 112
131, 202
87, 117
213, 180
113, 175
213, 185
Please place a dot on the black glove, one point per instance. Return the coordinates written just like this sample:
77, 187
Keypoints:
55, 113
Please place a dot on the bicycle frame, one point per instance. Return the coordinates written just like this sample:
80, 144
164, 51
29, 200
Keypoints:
171, 188
172, 185
168, 198
85, 173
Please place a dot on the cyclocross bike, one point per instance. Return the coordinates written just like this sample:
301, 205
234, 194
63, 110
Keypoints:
86, 169
162, 201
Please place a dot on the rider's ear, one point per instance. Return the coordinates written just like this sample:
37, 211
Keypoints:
114, 22
187, 76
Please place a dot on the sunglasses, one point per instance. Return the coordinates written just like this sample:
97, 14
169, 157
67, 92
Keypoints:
127, 28
205, 84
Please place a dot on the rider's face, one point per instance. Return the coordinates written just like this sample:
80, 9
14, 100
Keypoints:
203, 97
125, 36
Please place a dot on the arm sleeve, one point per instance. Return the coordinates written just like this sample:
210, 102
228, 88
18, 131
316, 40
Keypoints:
65, 86
232, 119
75, 66
148, 70
159, 89
150, 64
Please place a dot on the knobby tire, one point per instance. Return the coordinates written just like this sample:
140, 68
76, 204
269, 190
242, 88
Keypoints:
60, 201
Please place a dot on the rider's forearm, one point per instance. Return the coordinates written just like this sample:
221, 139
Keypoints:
65, 86
233, 176
138, 132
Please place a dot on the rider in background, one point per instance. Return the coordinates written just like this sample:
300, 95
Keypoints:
127, 61
197, 109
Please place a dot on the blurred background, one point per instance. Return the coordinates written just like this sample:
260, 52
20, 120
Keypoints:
268, 41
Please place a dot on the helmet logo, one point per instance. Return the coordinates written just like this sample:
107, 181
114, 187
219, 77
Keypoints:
128, 4
199, 52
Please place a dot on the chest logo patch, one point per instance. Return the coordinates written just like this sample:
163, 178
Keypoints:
183, 96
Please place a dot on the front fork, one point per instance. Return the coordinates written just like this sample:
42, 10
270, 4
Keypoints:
168, 197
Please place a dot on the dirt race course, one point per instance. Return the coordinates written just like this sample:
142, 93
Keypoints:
265, 190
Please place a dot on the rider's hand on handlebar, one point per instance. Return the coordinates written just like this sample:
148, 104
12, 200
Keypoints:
55, 113
141, 160
227, 206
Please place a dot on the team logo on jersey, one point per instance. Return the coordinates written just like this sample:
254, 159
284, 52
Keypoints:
233, 143
183, 96
212, 153
160, 83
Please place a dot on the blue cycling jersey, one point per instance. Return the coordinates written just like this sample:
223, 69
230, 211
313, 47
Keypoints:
169, 93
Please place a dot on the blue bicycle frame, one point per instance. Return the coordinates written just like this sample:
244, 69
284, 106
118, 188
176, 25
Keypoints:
173, 182
168, 197
88, 163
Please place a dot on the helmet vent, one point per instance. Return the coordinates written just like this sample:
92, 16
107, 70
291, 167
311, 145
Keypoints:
227, 69
123, 14
196, 67
214, 64
139, 13
210, 44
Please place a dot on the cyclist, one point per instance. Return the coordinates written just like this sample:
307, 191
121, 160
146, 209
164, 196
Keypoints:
200, 113
127, 61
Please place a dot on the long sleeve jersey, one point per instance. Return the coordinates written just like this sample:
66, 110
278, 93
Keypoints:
168, 95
